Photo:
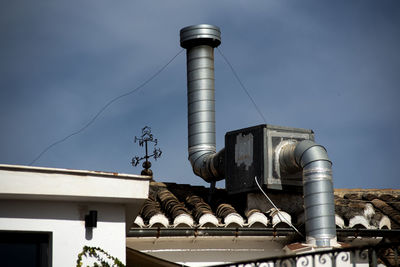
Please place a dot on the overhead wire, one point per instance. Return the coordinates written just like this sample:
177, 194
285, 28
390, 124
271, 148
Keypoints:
105, 107
135, 90
276, 208
265, 121
242, 85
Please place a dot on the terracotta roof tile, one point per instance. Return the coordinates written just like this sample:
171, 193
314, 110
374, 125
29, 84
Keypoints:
388, 210
192, 206
391, 200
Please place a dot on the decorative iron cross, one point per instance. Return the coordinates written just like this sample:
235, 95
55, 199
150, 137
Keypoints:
146, 137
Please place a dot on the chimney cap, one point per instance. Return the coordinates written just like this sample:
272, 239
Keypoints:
201, 34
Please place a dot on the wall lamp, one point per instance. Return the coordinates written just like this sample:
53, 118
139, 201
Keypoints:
91, 219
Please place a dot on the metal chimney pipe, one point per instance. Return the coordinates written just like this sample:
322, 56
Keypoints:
319, 205
200, 41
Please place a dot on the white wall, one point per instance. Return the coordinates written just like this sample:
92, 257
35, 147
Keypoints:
65, 220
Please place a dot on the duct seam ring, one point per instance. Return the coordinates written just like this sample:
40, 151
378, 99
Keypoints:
317, 175
194, 149
318, 170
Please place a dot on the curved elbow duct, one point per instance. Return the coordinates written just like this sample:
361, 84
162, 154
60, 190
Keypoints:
199, 41
319, 207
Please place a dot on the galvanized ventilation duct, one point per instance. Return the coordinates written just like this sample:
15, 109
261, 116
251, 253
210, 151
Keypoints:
319, 206
199, 41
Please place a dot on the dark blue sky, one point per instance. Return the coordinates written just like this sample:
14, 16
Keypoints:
330, 66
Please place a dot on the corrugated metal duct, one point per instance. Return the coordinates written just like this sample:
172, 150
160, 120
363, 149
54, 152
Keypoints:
200, 41
319, 205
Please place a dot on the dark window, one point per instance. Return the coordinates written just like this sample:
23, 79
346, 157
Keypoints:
24, 249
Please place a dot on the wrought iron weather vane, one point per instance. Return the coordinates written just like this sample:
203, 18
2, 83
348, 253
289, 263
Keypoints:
146, 137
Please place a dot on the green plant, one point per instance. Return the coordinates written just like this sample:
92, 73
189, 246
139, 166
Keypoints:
100, 255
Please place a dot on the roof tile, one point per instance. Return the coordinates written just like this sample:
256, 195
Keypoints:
181, 205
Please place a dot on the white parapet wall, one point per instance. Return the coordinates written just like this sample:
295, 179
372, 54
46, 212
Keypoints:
56, 201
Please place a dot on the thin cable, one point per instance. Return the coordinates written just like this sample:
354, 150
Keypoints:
105, 107
242, 85
272, 203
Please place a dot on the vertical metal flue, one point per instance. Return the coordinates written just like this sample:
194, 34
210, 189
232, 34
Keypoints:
200, 41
